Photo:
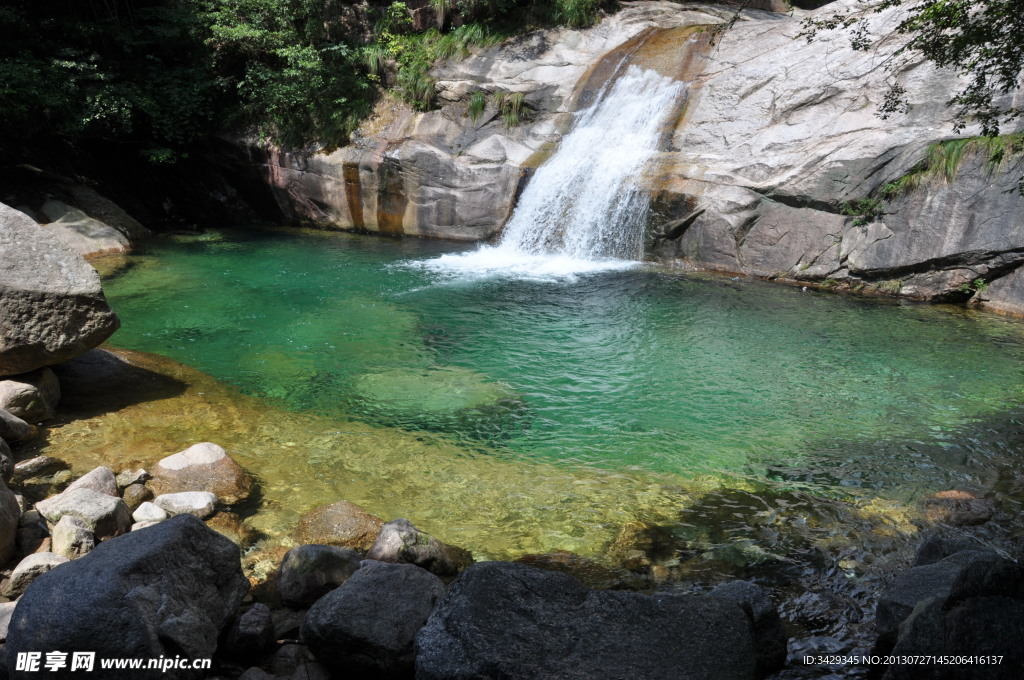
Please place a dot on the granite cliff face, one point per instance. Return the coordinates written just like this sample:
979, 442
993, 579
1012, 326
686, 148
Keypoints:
780, 165
777, 167
443, 174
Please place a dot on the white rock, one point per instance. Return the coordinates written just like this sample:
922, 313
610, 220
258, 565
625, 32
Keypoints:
29, 569
100, 479
149, 512
72, 538
198, 503
107, 516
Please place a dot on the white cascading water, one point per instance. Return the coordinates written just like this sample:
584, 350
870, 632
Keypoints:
582, 210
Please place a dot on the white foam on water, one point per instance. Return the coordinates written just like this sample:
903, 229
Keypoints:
582, 211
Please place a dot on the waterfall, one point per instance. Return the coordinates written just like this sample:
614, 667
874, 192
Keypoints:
584, 202
582, 210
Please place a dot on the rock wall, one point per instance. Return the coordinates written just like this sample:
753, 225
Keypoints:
778, 150
781, 146
443, 174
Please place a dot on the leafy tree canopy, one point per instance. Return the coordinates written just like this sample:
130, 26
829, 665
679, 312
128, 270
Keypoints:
980, 40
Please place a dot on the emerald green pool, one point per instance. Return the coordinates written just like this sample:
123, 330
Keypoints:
635, 367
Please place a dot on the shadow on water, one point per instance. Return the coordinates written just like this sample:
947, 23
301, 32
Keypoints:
100, 382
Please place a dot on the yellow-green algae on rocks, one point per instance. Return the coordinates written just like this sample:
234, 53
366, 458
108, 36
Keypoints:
497, 507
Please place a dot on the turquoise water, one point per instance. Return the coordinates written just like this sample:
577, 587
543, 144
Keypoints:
635, 367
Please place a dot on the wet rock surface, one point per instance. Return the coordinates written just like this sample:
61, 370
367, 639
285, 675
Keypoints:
342, 524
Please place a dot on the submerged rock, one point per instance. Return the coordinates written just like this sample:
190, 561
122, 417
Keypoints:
437, 399
232, 526
163, 591
510, 620
202, 467
366, 626
51, 305
342, 524
400, 541
31, 396
959, 508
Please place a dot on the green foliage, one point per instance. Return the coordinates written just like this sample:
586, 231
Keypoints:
160, 74
866, 210
980, 40
413, 54
296, 82
978, 285
135, 70
477, 103
511, 108
943, 160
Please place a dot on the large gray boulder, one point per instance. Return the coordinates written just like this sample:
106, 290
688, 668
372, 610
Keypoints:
974, 607
51, 305
366, 627
106, 516
513, 621
163, 591
925, 582
86, 235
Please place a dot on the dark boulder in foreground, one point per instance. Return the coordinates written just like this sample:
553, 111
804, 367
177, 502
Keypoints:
502, 620
166, 590
365, 628
51, 305
968, 604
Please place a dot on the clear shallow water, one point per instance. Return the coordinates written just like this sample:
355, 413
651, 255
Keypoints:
618, 368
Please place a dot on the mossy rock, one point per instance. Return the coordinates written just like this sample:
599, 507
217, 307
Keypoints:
442, 399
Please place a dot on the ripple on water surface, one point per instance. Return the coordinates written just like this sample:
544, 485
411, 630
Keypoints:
525, 411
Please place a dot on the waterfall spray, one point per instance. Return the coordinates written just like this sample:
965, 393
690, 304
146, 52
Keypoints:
583, 209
